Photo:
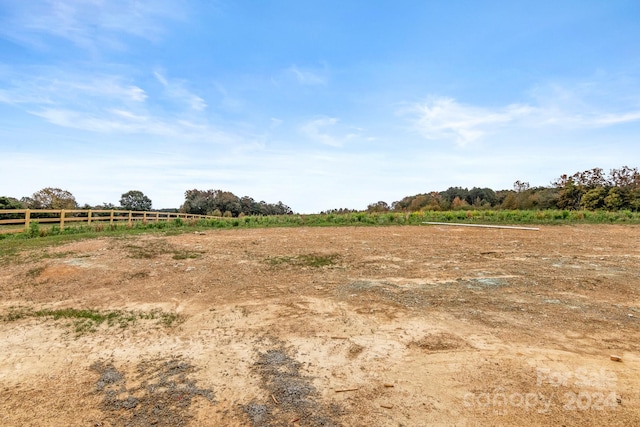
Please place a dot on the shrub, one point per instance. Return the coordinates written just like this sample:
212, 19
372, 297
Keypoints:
34, 229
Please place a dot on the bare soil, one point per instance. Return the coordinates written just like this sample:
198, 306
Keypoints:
371, 326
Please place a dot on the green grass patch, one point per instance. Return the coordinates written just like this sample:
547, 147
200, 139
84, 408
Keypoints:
305, 260
88, 320
153, 249
186, 254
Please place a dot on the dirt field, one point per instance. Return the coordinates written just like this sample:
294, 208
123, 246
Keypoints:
389, 326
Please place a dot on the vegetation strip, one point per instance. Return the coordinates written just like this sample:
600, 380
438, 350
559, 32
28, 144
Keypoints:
470, 216
87, 320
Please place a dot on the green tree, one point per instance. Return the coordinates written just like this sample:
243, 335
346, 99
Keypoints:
486, 196
198, 202
569, 193
11, 203
634, 199
616, 199
135, 200
209, 201
594, 198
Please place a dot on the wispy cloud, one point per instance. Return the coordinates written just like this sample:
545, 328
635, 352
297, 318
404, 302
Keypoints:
117, 120
177, 90
614, 119
323, 130
87, 23
441, 118
113, 104
49, 86
444, 118
308, 76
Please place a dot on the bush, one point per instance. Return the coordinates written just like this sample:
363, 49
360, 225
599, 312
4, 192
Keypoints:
34, 229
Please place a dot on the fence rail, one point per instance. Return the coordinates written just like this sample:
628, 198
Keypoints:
19, 220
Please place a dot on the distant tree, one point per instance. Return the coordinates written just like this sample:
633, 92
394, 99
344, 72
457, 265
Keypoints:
625, 177
418, 202
634, 199
211, 201
459, 203
569, 192
593, 178
380, 206
508, 199
135, 200
11, 203
452, 192
520, 186
594, 198
106, 206
51, 198
485, 196
283, 209
226, 201
198, 202
616, 199
248, 206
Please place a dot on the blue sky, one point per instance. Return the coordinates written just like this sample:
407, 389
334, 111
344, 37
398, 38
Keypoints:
318, 104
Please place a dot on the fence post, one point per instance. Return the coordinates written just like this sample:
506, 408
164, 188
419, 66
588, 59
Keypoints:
61, 219
27, 219
111, 218
89, 217
157, 216
130, 218
144, 218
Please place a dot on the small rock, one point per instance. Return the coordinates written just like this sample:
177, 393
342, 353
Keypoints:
616, 358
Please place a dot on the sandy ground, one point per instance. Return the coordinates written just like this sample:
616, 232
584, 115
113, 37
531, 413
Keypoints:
375, 326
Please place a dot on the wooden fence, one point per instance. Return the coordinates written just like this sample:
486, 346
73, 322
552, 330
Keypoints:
19, 220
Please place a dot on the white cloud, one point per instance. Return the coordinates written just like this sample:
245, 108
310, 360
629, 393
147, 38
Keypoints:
127, 122
90, 24
308, 77
47, 86
613, 119
323, 130
176, 89
445, 119
109, 104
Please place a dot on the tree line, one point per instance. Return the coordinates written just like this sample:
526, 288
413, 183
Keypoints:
590, 190
209, 202
225, 203
57, 198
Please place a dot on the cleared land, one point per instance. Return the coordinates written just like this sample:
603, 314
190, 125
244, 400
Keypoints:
376, 326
